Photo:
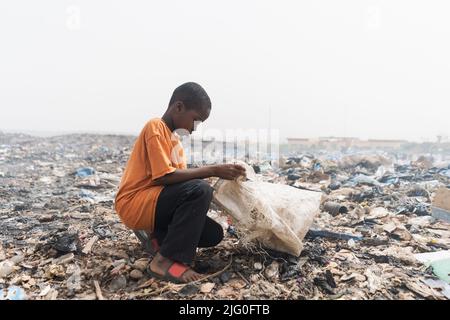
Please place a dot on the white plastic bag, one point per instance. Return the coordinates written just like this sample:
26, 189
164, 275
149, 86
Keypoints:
278, 216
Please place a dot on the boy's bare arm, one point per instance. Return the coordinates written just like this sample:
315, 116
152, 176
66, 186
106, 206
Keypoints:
224, 171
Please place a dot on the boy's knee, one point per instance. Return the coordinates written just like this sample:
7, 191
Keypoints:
218, 234
203, 189
212, 234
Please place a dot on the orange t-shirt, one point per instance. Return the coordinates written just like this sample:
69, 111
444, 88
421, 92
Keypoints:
156, 152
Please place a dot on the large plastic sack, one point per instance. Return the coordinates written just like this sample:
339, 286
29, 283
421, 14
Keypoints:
275, 215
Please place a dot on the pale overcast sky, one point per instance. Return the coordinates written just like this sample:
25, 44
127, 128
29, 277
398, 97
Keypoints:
371, 69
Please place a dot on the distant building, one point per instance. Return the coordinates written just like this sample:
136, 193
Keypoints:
342, 142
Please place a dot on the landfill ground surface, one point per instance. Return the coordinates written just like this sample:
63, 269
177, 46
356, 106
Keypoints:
60, 237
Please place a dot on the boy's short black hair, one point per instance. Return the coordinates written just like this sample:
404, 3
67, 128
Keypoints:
192, 95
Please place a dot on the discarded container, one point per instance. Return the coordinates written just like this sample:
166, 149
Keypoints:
334, 208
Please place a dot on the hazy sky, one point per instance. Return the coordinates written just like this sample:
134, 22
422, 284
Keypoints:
372, 69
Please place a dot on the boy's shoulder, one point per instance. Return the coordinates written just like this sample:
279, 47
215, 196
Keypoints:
154, 126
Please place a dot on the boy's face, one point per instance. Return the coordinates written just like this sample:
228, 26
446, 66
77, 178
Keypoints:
188, 119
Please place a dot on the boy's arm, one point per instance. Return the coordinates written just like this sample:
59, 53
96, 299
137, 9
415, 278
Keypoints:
224, 171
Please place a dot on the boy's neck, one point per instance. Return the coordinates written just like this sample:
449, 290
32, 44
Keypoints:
168, 121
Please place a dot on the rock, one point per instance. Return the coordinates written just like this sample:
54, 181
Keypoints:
6, 268
141, 264
55, 271
207, 287
254, 278
258, 266
17, 259
237, 283
136, 274
225, 293
118, 283
271, 271
120, 254
9, 266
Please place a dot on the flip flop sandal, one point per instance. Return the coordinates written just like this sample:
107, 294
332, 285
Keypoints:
173, 273
150, 245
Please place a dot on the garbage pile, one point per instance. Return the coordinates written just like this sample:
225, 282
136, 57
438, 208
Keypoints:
376, 236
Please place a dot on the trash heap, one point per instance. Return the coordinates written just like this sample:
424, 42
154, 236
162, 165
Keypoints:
381, 232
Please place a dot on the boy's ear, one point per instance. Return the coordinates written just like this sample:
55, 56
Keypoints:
179, 106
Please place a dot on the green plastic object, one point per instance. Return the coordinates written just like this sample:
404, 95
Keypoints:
441, 269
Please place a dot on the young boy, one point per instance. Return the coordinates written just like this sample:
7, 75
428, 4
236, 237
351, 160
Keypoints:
160, 196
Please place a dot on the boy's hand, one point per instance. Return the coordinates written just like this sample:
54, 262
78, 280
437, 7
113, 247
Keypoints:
229, 171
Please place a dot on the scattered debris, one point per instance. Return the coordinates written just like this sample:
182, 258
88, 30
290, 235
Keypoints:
98, 291
207, 287
88, 247
61, 239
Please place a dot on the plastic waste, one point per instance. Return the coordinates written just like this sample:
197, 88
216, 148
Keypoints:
363, 179
13, 293
332, 235
441, 268
84, 172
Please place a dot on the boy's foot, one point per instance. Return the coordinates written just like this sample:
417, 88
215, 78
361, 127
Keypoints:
169, 270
